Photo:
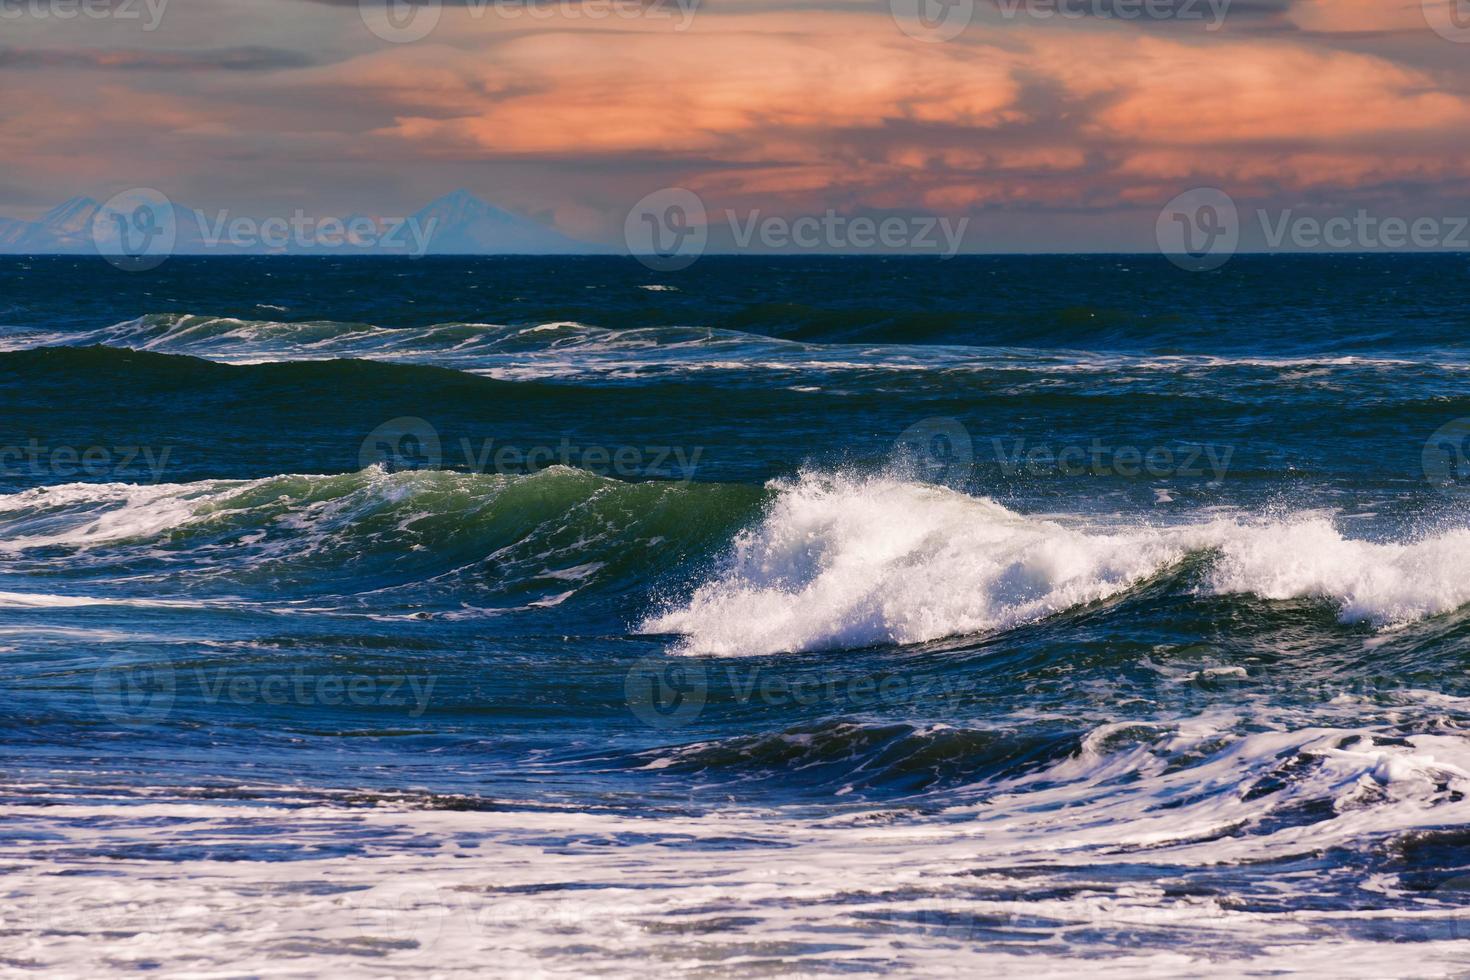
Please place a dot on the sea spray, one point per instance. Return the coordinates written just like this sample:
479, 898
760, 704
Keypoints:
842, 561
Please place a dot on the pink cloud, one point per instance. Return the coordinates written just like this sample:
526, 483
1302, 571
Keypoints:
781, 111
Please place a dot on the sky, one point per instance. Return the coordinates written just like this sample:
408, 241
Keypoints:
1047, 124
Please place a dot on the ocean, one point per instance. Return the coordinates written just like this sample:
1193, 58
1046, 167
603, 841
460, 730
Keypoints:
775, 616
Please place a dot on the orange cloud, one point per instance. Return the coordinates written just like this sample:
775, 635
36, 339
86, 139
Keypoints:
806, 112
1251, 92
732, 91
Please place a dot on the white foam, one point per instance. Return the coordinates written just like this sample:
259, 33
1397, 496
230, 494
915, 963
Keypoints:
89, 514
840, 562
1383, 584
86, 516
553, 891
43, 600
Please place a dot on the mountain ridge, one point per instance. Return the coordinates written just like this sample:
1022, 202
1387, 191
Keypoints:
457, 223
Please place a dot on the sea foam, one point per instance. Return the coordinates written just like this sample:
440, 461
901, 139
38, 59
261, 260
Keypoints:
843, 562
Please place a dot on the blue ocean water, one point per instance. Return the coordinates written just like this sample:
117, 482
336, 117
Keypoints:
775, 615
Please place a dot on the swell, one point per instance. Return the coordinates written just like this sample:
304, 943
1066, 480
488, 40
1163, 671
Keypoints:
775, 326
449, 542
254, 421
823, 561
954, 381
573, 350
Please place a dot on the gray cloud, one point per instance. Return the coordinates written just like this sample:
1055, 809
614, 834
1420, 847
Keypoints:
132, 59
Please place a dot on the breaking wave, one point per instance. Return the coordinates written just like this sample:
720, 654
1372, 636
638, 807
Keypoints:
844, 562
823, 561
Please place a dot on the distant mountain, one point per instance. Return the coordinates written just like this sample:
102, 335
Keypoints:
65, 228
464, 224
12, 232
458, 223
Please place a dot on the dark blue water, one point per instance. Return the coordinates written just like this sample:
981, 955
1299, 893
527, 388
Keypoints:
1172, 565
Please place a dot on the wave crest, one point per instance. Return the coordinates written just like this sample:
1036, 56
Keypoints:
844, 562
